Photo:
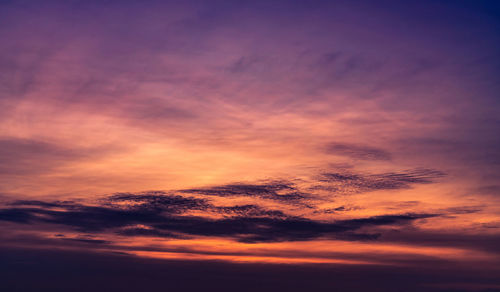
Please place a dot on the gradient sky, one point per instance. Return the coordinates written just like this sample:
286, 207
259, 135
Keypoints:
360, 135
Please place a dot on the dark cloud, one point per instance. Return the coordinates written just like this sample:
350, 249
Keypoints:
156, 202
384, 181
41, 203
251, 211
16, 215
88, 241
164, 215
163, 202
141, 231
182, 213
277, 190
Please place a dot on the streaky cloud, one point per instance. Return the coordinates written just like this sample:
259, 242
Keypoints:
282, 191
162, 215
383, 181
358, 151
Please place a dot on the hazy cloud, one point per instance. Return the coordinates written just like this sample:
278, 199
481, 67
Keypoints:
358, 151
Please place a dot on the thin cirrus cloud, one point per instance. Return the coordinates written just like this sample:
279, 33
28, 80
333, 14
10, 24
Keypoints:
358, 152
20, 156
383, 181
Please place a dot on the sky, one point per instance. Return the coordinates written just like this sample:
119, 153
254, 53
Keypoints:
283, 144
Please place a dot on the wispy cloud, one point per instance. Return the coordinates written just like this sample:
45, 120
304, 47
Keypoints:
358, 151
276, 190
372, 182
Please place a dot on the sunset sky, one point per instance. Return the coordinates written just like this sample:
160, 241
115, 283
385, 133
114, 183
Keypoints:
331, 144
